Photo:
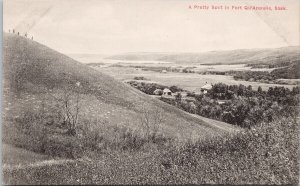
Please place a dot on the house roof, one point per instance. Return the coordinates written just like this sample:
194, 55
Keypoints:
206, 86
197, 90
167, 90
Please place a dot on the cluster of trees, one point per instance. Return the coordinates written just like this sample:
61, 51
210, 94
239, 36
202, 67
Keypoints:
213, 73
234, 104
287, 71
157, 69
270, 65
188, 70
140, 78
246, 107
145, 87
290, 72
223, 91
149, 88
274, 64
168, 69
262, 76
242, 105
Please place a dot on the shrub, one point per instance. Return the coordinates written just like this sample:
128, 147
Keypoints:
140, 78
151, 119
266, 154
175, 89
63, 146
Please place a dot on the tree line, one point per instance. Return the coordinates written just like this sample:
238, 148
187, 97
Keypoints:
241, 105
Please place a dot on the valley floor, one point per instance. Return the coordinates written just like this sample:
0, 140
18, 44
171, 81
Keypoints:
187, 81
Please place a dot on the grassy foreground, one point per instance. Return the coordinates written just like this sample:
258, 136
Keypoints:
266, 154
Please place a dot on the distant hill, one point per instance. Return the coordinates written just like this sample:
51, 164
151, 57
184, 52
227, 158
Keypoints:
292, 71
244, 56
34, 72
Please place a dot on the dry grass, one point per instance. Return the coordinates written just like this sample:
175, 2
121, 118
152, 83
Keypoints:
13, 156
267, 154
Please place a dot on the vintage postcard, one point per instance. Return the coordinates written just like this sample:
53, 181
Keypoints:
113, 92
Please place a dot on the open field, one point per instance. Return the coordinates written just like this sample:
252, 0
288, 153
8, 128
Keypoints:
188, 81
128, 69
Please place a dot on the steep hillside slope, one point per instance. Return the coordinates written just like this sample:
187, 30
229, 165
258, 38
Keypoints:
35, 76
246, 56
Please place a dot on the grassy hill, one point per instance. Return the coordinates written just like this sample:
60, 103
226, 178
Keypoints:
37, 79
244, 56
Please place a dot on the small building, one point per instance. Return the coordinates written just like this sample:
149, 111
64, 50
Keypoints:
167, 92
164, 71
205, 88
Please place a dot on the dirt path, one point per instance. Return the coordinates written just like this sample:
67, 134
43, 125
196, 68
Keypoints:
37, 164
18, 158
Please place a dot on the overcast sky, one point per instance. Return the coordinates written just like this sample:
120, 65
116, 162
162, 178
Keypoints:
118, 26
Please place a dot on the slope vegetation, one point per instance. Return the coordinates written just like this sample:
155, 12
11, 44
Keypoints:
35, 77
291, 71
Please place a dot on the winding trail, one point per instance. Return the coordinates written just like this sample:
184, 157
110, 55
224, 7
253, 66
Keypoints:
37, 164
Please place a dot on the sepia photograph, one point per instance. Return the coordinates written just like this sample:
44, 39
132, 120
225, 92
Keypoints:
156, 92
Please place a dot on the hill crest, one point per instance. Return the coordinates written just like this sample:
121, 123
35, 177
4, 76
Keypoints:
239, 56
